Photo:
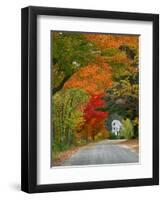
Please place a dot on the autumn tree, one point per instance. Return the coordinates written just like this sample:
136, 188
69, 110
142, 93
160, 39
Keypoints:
70, 52
123, 99
94, 118
94, 78
119, 51
122, 56
121, 60
112, 40
67, 116
132, 53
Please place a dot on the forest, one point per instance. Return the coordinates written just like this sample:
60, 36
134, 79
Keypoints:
94, 80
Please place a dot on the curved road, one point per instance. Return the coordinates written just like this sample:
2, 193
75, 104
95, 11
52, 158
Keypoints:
104, 152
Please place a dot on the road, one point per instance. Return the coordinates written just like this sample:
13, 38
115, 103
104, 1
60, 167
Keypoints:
104, 152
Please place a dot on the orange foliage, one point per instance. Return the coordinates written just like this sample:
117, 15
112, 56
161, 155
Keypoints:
112, 40
94, 78
93, 128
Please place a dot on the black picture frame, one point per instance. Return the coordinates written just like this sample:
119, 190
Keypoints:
29, 99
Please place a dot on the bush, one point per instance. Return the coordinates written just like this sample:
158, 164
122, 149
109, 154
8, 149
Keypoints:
112, 136
127, 130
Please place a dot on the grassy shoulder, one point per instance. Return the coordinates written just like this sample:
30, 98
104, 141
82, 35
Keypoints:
58, 157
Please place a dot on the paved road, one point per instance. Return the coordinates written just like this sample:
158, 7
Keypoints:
104, 152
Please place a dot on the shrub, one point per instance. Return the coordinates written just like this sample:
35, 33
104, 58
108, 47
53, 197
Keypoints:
127, 129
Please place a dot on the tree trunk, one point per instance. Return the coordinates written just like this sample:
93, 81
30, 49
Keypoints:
56, 89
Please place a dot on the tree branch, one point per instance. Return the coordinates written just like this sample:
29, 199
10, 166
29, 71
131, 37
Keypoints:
56, 89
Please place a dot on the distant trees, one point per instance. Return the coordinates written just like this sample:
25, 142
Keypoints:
123, 97
122, 60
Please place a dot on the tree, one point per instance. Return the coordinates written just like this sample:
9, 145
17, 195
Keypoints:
121, 60
123, 98
94, 78
119, 51
67, 116
113, 40
70, 52
94, 118
132, 53
127, 129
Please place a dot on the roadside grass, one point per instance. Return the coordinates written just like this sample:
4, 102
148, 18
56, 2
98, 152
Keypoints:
58, 157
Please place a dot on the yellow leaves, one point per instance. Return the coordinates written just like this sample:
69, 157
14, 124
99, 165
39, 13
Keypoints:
136, 121
133, 70
118, 58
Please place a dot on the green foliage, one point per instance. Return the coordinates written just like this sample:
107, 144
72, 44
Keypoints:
67, 116
123, 98
70, 52
136, 61
110, 52
132, 53
127, 130
118, 69
118, 60
112, 136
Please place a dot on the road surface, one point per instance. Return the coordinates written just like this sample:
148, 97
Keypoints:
104, 152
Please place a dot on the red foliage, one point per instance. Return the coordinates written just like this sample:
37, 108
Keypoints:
94, 118
90, 110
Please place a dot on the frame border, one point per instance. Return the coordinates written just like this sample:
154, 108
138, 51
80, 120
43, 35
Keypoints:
29, 99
